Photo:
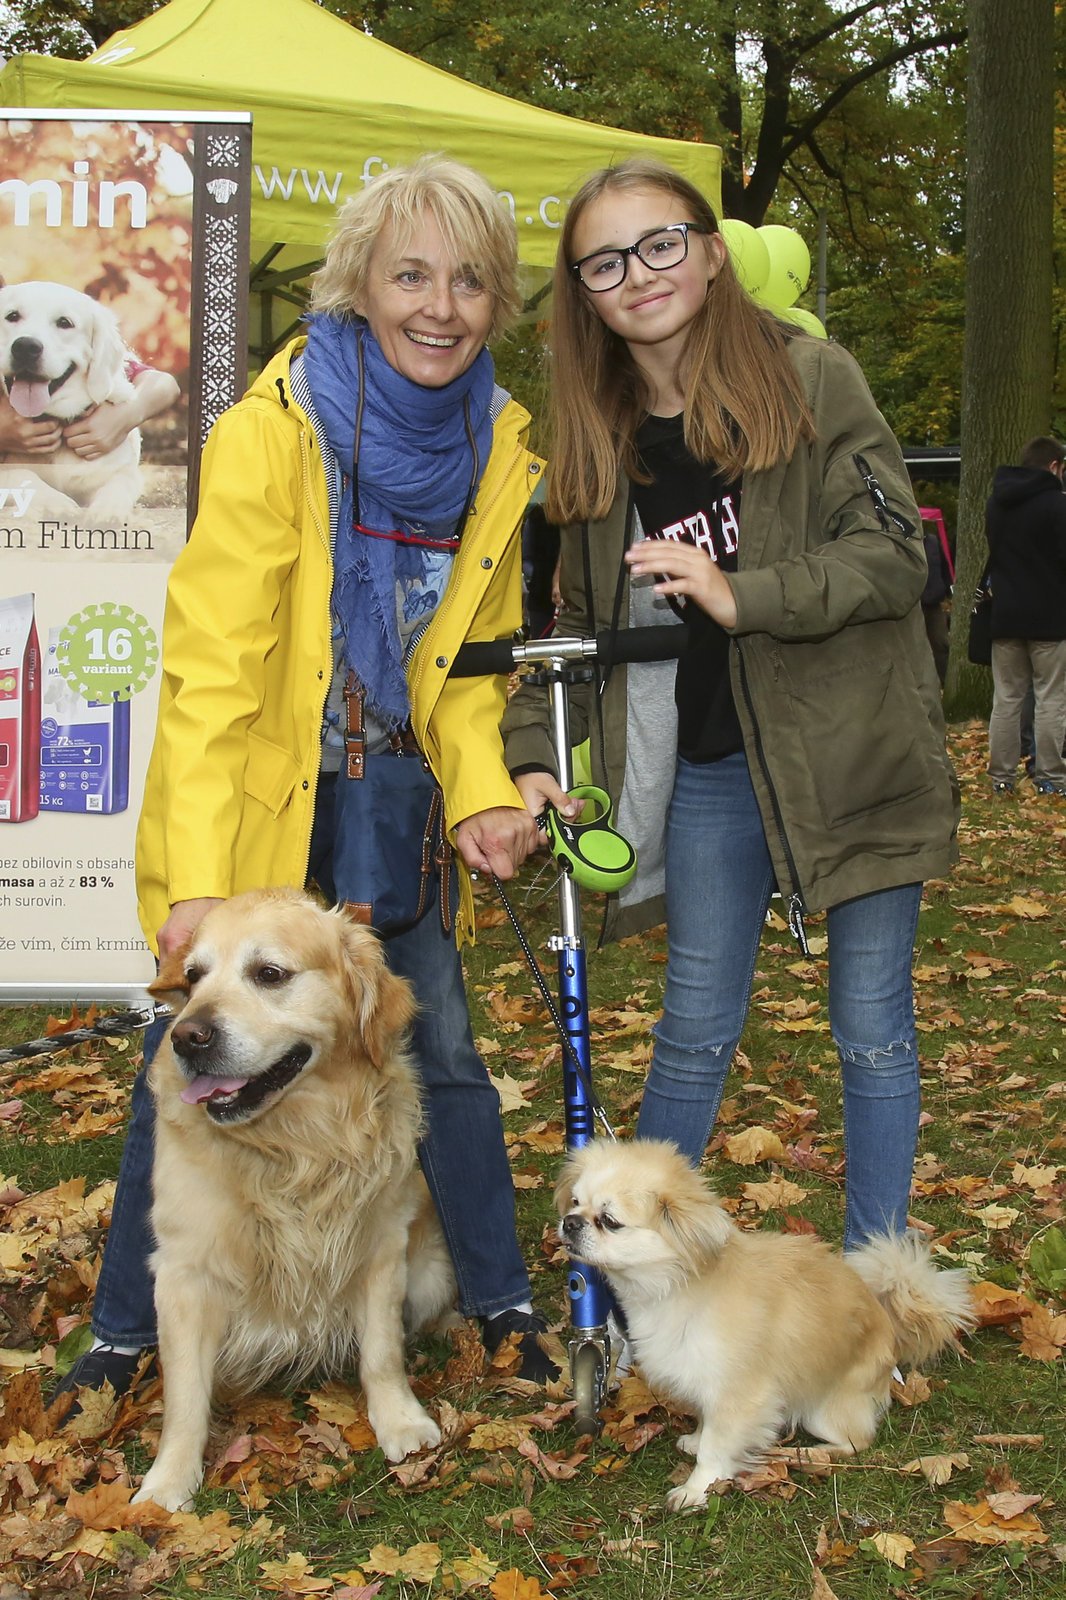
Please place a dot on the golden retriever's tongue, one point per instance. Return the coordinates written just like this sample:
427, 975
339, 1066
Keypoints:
204, 1088
28, 397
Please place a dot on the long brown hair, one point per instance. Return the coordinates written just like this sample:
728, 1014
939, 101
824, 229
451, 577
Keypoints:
744, 405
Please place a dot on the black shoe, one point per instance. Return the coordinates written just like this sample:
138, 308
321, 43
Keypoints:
97, 1367
535, 1364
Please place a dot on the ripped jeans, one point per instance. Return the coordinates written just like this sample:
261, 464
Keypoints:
719, 880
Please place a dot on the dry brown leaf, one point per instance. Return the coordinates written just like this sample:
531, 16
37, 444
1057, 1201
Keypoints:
511, 1092
996, 1307
913, 1391
979, 1524
420, 1563
514, 1585
520, 1518
1043, 1335
501, 1433
1011, 1503
293, 1576
895, 1547
753, 1145
475, 1571
937, 1469
997, 1218
1035, 1178
775, 1195
820, 1589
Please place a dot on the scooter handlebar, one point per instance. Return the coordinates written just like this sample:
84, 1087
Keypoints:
480, 658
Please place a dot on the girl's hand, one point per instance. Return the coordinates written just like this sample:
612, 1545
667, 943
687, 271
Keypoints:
683, 570
540, 790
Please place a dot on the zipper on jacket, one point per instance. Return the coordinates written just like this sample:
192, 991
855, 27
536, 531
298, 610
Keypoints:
877, 495
797, 909
305, 461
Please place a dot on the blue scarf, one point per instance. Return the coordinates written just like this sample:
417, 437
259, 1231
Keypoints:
415, 475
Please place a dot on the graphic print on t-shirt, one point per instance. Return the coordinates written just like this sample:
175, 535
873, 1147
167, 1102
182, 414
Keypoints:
687, 502
691, 502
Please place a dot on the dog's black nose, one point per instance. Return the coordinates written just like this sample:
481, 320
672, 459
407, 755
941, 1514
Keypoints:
192, 1037
571, 1226
26, 352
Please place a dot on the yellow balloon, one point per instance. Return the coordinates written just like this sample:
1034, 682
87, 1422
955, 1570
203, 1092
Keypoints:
803, 319
748, 253
790, 266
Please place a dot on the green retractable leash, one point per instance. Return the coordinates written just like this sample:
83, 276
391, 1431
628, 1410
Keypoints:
595, 854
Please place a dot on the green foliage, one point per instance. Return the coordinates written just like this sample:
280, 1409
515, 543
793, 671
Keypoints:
1047, 1260
73, 28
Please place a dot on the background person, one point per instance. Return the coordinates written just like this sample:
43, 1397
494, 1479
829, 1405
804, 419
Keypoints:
1025, 524
289, 579
709, 458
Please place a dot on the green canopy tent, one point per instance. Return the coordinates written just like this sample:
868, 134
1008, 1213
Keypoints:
332, 108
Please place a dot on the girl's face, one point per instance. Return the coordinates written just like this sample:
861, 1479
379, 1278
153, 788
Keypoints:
429, 317
649, 309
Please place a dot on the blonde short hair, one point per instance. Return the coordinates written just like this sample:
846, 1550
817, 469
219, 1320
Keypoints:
477, 231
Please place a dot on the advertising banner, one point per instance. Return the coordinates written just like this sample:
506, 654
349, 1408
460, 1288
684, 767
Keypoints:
123, 287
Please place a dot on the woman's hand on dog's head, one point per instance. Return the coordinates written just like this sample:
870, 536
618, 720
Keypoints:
184, 919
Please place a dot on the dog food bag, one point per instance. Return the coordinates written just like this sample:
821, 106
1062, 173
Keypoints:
85, 747
20, 710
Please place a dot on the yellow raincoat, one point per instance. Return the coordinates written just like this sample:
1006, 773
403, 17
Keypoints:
248, 657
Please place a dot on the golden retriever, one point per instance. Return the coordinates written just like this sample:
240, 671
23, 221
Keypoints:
751, 1331
293, 1227
61, 353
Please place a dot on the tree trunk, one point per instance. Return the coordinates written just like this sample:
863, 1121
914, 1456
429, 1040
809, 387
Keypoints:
1007, 349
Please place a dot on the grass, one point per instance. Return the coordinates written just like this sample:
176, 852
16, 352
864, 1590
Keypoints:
513, 1519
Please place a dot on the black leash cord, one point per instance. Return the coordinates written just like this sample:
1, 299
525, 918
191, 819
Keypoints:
586, 1082
106, 1028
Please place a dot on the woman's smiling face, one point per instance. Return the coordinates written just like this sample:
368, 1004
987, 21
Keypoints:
430, 317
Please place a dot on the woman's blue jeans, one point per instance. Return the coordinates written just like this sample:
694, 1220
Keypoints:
719, 880
462, 1154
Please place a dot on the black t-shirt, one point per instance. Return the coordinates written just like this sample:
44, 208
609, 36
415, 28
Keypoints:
694, 503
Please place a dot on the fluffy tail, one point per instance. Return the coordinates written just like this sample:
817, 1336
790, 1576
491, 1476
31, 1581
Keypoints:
927, 1308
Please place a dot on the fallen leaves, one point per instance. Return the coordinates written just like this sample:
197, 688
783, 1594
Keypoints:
752, 1146
982, 1523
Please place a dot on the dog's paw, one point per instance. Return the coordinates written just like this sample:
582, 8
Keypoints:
687, 1442
403, 1434
171, 1491
688, 1495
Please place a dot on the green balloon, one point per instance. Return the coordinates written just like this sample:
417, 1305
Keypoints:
748, 253
790, 266
803, 319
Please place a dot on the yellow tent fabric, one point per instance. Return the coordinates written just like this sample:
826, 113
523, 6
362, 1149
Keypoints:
332, 108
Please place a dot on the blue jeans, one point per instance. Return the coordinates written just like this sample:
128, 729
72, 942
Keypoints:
719, 880
462, 1154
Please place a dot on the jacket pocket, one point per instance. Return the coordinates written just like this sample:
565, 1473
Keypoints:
866, 737
271, 774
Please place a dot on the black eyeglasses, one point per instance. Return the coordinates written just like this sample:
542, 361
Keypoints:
661, 249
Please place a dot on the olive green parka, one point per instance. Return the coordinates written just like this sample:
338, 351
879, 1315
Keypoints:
833, 678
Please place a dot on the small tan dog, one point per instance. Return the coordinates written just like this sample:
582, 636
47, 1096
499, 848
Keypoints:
751, 1331
294, 1228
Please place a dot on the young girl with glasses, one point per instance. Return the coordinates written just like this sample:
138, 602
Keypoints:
718, 471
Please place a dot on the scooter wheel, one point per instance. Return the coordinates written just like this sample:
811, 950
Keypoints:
589, 1382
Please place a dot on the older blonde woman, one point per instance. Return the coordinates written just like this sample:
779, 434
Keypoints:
360, 511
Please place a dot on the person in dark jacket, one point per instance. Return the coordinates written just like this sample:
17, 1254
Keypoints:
1026, 530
